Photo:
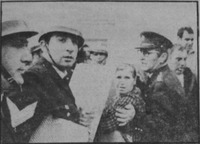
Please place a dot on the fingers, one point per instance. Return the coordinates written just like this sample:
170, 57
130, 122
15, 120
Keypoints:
121, 115
122, 123
121, 111
129, 106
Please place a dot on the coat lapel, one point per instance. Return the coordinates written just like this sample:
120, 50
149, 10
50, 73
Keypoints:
55, 76
173, 82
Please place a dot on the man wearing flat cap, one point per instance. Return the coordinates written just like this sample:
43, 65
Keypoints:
49, 79
163, 121
16, 59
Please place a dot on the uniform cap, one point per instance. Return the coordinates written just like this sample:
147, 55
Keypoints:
63, 29
16, 27
152, 40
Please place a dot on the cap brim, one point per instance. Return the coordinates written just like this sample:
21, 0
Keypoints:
26, 34
147, 47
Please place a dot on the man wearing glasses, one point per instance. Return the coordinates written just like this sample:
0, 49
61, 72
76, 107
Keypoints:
164, 102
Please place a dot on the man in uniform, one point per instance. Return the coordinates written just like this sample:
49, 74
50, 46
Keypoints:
49, 79
164, 101
16, 59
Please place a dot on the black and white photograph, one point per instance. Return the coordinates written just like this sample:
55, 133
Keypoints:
100, 71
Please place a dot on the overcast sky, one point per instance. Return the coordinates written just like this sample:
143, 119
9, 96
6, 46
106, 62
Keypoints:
119, 22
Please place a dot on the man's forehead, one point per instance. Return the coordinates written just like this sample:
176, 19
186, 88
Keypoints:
188, 35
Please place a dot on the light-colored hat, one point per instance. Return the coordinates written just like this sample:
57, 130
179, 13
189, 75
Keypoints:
16, 27
100, 47
62, 29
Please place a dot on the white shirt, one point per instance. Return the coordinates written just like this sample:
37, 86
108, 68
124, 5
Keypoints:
181, 79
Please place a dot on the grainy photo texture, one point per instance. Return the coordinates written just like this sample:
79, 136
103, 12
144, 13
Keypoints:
107, 71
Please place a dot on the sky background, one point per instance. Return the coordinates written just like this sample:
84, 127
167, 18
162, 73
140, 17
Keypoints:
118, 22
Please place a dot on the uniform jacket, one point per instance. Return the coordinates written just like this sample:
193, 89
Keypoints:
42, 84
165, 102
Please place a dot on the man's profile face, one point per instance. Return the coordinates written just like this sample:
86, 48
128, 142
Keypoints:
63, 50
148, 59
16, 57
187, 40
177, 61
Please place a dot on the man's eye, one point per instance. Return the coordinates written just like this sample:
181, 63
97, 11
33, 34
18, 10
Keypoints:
127, 77
178, 59
62, 39
187, 39
119, 77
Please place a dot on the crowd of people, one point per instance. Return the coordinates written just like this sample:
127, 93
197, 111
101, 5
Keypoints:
156, 103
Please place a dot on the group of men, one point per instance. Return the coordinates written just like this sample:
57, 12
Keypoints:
31, 93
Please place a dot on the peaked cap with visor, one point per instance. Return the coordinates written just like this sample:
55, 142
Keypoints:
152, 40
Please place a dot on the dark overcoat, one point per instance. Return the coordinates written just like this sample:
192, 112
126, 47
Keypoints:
165, 107
42, 84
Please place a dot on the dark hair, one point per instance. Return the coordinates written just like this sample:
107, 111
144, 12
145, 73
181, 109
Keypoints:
81, 54
182, 29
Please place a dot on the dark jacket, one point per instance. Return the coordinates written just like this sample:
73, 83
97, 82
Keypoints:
43, 84
191, 111
20, 133
165, 105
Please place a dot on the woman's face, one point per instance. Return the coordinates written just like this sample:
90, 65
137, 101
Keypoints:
124, 81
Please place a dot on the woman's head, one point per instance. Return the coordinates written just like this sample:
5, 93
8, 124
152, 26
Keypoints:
125, 78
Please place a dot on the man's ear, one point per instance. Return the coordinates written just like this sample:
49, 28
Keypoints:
179, 39
43, 45
163, 57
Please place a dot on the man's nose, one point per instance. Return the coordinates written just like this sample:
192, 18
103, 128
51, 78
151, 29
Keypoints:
70, 46
142, 56
26, 57
190, 42
183, 63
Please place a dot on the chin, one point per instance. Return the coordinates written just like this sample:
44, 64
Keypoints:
67, 65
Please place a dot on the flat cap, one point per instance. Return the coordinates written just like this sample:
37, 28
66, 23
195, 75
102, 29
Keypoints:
16, 27
152, 40
62, 29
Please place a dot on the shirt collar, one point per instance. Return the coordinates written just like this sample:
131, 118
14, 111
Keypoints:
60, 73
181, 79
